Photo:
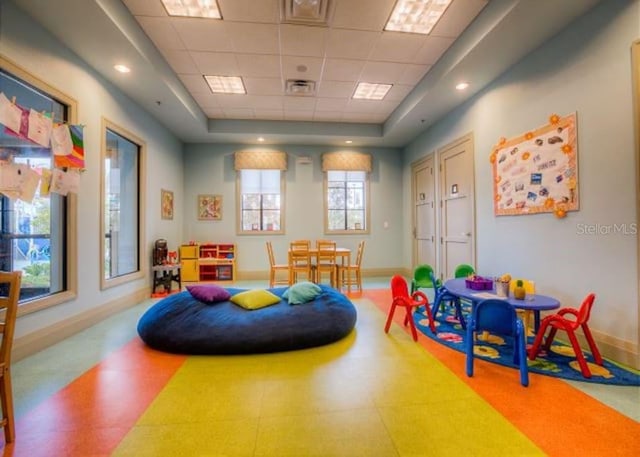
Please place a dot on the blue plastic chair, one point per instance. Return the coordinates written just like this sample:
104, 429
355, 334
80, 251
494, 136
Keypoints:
499, 318
442, 296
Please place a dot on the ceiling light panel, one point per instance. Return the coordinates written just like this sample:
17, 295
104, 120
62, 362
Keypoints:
371, 91
416, 16
193, 8
225, 84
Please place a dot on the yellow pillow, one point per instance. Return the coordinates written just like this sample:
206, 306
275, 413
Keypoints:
255, 299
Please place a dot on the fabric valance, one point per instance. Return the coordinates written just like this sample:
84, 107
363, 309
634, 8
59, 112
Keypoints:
260, 160
346, 161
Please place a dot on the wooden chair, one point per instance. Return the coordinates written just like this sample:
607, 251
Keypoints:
326, 261
9, 283
351, 275
274, 268
300, 260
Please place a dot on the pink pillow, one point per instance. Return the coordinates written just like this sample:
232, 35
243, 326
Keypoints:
209, 293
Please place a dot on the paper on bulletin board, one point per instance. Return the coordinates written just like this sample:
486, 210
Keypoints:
537, 172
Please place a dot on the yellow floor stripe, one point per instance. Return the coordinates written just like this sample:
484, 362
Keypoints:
368, 394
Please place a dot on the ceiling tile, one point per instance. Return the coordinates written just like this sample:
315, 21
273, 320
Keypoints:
259, 66
250, 10
206, 100
181, 62
397, 47
432, 50
270, 114
336, 89
357, 117
413, 74
145, 8
161, 32
298, 115
342, 70
263, 86
398, 92
293, 103
330, 104
216, 63
298, 40
265, 102
202, 34
233, 101
253, 38
290, 68
327, 116
195, 84
381, 72
362, 106
458, 16
214, 113
362, 14
238, 113
351, 44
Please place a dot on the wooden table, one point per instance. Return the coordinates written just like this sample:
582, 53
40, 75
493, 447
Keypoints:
345, 259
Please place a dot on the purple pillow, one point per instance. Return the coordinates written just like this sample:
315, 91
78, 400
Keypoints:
209, 293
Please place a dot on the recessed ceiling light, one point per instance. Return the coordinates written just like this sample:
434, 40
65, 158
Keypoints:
371, 91
122, 68
416, 16
348, 141
260, 139
462, 86
225, 84
193, 8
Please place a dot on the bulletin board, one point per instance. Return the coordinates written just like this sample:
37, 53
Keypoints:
537, 172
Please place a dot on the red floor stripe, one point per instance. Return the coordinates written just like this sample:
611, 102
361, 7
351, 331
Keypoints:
91, 415
560, 419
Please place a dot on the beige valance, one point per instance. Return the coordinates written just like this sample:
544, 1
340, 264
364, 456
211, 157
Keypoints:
346, 161
260, 160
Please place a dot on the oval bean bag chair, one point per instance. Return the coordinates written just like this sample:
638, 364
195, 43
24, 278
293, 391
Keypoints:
183, 324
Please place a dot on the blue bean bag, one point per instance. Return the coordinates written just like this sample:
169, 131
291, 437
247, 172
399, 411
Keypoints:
182, 324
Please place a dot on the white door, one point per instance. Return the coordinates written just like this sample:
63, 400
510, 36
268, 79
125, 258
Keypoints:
424, 221
457, 205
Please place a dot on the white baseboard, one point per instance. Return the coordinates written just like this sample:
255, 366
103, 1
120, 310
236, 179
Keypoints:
34, 342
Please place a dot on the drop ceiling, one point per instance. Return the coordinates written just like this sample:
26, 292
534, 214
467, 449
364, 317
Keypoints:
475, 41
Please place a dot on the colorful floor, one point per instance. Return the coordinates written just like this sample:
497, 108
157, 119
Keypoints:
102, 392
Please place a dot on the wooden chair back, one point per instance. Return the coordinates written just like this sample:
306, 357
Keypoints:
9, 296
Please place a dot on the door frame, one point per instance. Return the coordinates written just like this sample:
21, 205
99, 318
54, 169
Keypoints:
472, 197
635, 66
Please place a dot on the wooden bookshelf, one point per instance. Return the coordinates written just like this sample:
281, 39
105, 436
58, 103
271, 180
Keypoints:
217, 262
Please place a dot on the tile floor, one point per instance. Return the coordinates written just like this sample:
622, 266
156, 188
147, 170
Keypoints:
368, 394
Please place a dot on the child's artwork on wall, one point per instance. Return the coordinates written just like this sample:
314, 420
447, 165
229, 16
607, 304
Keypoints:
537, 172
166, 201
210, 207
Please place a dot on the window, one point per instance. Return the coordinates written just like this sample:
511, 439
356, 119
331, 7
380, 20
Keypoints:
36, 236
261, 194
346, 200
121, 250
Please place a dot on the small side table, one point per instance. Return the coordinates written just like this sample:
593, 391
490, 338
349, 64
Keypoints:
164, 275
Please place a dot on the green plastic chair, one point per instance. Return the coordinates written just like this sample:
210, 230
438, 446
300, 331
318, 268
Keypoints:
422, 278
463, 270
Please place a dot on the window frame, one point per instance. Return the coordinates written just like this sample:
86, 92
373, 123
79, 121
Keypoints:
367, 207
71, 272
239, 212
106, 283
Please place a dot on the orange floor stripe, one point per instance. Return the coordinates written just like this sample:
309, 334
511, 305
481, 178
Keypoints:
91, 415
558, 418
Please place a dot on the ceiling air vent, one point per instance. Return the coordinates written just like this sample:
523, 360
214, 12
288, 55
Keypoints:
308, 12
300, 87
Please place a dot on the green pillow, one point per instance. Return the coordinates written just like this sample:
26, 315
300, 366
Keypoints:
302, 292
255, 299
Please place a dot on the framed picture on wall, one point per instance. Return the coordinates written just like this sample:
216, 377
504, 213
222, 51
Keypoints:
210, 207
166, 199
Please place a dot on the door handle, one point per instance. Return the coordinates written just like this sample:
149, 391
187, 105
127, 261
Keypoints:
467, 234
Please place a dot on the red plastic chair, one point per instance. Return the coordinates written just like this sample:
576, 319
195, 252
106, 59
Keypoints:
400, 295
559, 322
